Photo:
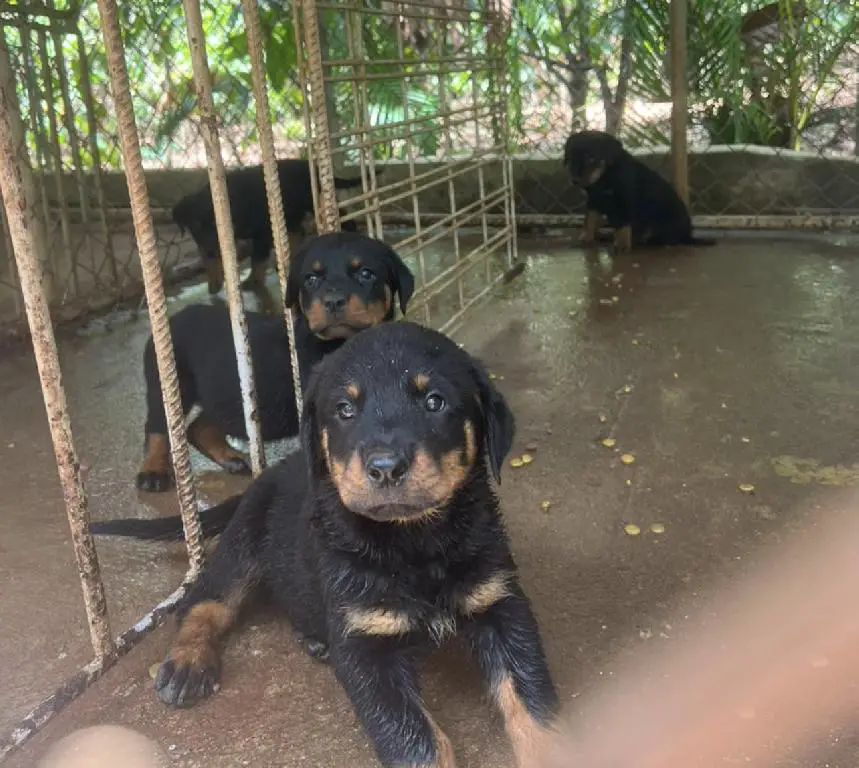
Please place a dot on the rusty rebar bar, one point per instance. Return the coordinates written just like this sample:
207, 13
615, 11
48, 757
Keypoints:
272, 180
57, 158
224, 225
16, 181
152, 280
327, 211
92, 136
679, 97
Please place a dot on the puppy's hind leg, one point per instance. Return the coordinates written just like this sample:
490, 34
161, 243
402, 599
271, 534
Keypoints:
156, 470
259, 265
210, 440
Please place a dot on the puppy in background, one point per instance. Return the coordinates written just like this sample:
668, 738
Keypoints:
635, 201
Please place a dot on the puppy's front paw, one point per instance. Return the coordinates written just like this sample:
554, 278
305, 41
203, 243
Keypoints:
154, 482
188, 675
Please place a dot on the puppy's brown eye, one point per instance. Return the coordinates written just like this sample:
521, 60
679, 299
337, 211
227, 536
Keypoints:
366, 275
434, 402
345, 410
311, 281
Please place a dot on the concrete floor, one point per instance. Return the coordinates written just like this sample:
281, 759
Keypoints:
715, 367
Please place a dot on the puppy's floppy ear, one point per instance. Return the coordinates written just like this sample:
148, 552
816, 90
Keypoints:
310, 438
499, 426
293, 279
404, 280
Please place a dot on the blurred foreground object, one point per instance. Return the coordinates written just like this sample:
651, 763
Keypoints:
761, 676
105, 746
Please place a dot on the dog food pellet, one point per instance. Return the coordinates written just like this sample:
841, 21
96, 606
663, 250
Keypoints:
657, 528
631, 529
153, 670
531, 447
516, 462
527, 458
627, 458
546, 505
746, 487
609, 442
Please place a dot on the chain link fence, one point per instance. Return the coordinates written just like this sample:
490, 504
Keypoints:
772, 104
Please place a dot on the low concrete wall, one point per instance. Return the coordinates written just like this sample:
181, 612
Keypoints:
733, 180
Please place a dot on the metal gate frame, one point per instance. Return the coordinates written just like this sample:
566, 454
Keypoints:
22, 201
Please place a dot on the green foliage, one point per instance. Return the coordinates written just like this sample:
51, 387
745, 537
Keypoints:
578, 52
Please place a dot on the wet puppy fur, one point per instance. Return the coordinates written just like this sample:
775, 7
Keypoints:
342, 283
640, 206
381, 537
195, 214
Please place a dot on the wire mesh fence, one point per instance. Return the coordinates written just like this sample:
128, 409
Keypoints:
772, 104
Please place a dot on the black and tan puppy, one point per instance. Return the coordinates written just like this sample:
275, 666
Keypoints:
382, 537
634, 200
249, 211
343, 283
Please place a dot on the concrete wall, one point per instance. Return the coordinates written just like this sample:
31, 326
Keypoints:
744, 181
723, 181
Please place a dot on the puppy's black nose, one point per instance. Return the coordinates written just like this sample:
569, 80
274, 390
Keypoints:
386, 468
334, 303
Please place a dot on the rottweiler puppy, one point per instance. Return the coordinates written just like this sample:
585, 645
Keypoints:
381, 537
249, 210
636, 202
342, 282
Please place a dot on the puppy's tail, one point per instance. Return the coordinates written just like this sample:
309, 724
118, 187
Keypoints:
213, 521
340, 183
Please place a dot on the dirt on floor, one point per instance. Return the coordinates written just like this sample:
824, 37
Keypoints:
727, 374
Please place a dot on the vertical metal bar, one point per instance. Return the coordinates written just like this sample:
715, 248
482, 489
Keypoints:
448, 152
272, 180
410, 156
151, 267
362, 117
48, 79
503, 21
92, 130
10, 267
327, 211
679, 98
16, 181
224, 223
481, 181
37, 127
71, 130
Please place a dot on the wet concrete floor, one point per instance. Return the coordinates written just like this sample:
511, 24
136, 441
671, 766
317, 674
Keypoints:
713, 367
